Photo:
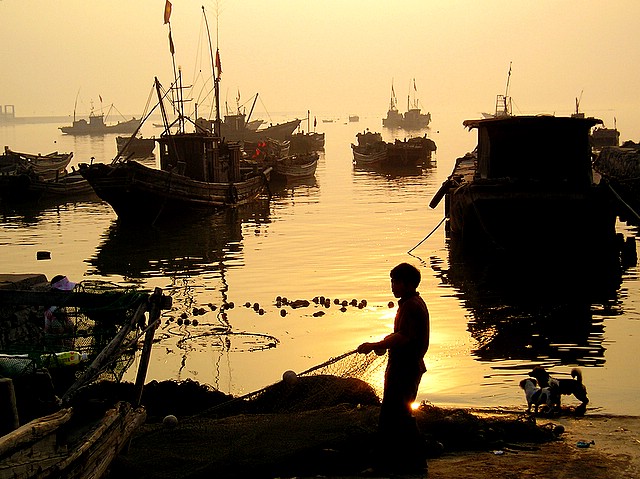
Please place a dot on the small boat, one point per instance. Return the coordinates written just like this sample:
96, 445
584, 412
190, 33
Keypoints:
44, 166
299, 166
307, 142
370, 150
508, 196
415, 151
97, 126
26, 187
354, 118
135, 146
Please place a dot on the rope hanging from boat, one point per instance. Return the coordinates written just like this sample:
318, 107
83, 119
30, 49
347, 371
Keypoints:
427, 237
619, 198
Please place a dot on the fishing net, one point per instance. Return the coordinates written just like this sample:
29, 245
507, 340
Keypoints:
76, 334
349, 378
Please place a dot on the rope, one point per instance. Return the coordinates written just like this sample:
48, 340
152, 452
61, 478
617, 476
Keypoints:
427, 237
619, 198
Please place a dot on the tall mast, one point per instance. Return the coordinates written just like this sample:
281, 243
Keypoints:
216, 77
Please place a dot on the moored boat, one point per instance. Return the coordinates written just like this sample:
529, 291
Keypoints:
298, 166
25, 187
509, 196
44, 166
200, 171
97, 126
135, 146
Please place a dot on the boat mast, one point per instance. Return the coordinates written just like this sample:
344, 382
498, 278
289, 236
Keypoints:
216, 77
392, 102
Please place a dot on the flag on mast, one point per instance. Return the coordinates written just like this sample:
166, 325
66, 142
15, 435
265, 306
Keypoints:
171, 48
167, 11
218, 64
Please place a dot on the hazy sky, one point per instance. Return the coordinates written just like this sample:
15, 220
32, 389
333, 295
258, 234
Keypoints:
329, 56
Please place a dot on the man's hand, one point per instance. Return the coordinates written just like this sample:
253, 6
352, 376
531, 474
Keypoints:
366, 348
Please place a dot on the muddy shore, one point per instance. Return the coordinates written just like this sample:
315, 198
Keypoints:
335, 439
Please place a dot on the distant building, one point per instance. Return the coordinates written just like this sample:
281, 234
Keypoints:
7, 113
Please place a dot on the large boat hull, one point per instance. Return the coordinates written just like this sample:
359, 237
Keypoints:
146, 195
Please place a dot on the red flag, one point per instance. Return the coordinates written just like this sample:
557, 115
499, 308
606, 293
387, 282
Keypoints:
171, 49
218, 64
167, 11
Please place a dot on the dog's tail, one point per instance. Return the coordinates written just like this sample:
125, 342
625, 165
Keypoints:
577, 374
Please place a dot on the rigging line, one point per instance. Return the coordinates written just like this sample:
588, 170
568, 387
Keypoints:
619, 198
427, 237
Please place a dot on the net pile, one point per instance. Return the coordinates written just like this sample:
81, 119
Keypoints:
86, 332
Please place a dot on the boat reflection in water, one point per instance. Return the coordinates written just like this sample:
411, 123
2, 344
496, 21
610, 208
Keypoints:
543, 309
184, 249
195, 257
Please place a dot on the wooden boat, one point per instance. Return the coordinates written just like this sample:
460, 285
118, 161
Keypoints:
412, 152
307, 142
412, 119
198, 175
507, 195
54, 446
97, 126
237, 128
369, 155
75, 439
44, 166
370, 150
25, 187
297, 166
200, 172
135, 146
619, 168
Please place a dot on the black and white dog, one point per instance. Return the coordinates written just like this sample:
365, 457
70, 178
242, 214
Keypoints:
558, 387
535, 395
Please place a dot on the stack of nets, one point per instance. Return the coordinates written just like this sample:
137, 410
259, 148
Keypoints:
89, 330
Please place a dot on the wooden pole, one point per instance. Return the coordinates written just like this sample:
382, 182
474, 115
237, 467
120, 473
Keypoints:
154, 319
8, 412
106, 354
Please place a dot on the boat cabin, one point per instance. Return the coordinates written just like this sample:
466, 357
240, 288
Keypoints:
540, 149
201, 157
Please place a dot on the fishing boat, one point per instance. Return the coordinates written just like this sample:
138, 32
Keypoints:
97, 126
298, 166
508, 196
44, 166
370, 150
25, 187
302, 142
410, 152
619, 168
200, 172
394, 118
306, 142
236, 127
72, 438
412, 119
135, 146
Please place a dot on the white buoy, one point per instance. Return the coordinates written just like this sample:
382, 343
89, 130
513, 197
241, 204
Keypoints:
170, 421
290, 377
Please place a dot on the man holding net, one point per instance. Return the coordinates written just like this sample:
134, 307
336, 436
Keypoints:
400, 440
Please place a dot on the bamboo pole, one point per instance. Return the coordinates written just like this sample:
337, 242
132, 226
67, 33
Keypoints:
106, 354
154, 319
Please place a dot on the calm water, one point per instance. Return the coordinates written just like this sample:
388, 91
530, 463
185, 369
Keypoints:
338, 237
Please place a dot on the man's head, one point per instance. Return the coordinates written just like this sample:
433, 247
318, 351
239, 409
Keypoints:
405, 279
